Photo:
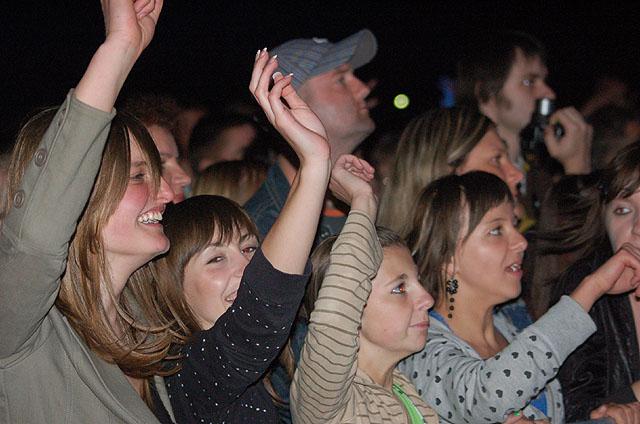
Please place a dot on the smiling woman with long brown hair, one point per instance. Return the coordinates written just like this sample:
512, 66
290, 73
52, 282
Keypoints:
80, 334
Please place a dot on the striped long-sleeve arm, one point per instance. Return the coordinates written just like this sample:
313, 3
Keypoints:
323, 381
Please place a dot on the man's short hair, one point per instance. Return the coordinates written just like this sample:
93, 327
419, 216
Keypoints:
206, 133
153, 109
485, 67
308, 57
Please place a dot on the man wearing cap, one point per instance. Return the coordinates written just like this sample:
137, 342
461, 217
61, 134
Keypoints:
323, 76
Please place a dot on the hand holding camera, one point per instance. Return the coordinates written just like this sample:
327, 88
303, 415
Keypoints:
564, 132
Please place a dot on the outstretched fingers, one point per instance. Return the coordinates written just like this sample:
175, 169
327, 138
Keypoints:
258, 66
260, 80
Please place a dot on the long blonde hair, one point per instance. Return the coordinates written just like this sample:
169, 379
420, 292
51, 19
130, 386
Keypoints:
432, 145
237, 180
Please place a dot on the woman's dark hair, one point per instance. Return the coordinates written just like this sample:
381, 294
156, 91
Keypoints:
580, 224
205, 137
191, 226
445, 208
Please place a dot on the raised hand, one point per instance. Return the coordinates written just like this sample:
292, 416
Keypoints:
351, 182
130, 25
573, 150
293, 119
351, 177
131, 22
620, 274
288, 243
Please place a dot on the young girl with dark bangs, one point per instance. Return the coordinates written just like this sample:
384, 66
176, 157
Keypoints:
234, 298
476, 365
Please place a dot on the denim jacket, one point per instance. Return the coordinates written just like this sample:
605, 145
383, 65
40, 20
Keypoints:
265, 206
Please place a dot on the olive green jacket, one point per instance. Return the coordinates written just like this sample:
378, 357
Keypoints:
47, 373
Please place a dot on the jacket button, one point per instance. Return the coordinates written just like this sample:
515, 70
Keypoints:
41, 157
18, 199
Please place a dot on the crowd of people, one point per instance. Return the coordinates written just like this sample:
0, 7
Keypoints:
166, 264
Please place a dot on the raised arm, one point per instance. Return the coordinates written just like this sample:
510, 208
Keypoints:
57, 181
322, 383
236, 351
573, 149
129, 27
620, 274
351, 182
288, 243
461, 386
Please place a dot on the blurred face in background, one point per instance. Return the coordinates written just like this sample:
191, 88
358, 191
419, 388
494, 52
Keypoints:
172, 172
491, 155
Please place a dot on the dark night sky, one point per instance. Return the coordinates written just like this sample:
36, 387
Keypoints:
203, 48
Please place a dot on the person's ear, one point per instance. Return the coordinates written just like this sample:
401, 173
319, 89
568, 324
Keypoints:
489, 107
449, 268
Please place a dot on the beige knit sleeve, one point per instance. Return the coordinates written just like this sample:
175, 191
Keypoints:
322, 383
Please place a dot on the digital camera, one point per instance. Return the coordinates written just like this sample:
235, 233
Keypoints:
532, 136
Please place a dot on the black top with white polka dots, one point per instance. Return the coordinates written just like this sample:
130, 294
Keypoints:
220, 379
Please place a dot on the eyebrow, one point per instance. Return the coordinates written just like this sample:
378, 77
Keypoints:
246, 236
139, 163
495, 220
400, 278
243, 237
536, 75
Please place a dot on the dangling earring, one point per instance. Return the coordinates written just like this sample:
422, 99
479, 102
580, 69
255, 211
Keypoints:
451, 288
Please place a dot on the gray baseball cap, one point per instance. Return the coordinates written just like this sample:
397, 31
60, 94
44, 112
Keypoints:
308, 57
